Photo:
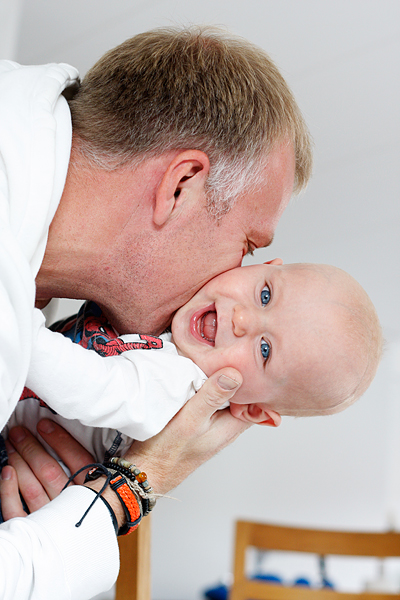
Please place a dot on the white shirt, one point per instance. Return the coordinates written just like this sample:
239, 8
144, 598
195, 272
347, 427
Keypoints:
42, 556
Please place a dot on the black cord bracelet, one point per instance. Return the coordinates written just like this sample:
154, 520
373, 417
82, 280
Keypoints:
110, 510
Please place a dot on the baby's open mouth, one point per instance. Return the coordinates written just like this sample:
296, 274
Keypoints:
208, 326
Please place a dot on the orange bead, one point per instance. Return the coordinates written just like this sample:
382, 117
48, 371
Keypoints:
141, 477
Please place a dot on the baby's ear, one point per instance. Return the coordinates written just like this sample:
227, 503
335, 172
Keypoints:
256, 413
275, 261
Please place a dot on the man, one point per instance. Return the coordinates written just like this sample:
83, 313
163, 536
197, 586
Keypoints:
183, 152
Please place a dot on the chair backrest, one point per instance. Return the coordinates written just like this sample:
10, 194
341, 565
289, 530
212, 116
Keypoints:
322, 543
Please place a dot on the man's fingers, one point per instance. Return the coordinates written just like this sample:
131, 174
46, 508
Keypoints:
73, 455
227, 427
31, 489
11, 505
45, 470
38, 475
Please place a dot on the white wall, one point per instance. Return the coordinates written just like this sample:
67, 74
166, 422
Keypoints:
10, 19
342, 61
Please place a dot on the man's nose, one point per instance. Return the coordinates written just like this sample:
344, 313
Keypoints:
245, 321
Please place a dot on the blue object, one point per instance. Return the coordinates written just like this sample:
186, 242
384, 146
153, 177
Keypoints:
221, 592
302, 582
269, 578
218, 593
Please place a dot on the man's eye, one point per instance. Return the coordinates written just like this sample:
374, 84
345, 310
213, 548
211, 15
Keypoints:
265, 349
265, 295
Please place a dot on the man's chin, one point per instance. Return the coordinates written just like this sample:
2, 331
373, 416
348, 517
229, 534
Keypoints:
138, 321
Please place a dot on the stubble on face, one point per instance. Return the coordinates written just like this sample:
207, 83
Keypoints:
162, 270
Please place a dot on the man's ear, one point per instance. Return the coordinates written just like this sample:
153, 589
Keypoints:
185, 174
256, 413
275, 261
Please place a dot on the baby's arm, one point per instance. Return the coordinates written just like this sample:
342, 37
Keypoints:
136, 392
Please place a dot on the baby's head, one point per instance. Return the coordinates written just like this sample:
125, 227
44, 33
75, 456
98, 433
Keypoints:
305, 337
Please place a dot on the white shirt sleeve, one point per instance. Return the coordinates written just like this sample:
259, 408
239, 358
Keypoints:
35, 142
38, 553
137, 392
15, 330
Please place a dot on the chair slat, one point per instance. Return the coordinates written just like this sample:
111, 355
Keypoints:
293, 539
321, 541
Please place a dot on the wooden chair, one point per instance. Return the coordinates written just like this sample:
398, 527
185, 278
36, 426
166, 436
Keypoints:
134, 579
322, 543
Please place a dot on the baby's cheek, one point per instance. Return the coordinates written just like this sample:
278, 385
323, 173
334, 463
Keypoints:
214, 361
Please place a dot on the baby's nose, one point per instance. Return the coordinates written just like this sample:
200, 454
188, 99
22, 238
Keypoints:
244, 321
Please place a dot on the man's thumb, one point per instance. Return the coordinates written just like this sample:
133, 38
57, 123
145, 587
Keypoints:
224, 385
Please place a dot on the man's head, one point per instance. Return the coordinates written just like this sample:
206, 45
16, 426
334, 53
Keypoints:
198, 88
187, 146
305, 337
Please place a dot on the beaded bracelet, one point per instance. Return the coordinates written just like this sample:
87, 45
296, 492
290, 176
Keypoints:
130, 501
134, 488
130, 485
137, 481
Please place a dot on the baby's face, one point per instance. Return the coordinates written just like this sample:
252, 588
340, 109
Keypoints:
268, 321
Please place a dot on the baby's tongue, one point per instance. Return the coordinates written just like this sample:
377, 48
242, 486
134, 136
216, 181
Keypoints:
210, 326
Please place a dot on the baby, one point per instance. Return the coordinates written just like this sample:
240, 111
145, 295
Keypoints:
305, 337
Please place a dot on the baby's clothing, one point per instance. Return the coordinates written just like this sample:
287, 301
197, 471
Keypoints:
126, 387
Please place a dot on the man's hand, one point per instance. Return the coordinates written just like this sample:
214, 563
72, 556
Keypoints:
11, 505
39, 476
196, 433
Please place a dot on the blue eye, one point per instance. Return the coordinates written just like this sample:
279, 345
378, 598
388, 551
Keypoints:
265, 349
265, 295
